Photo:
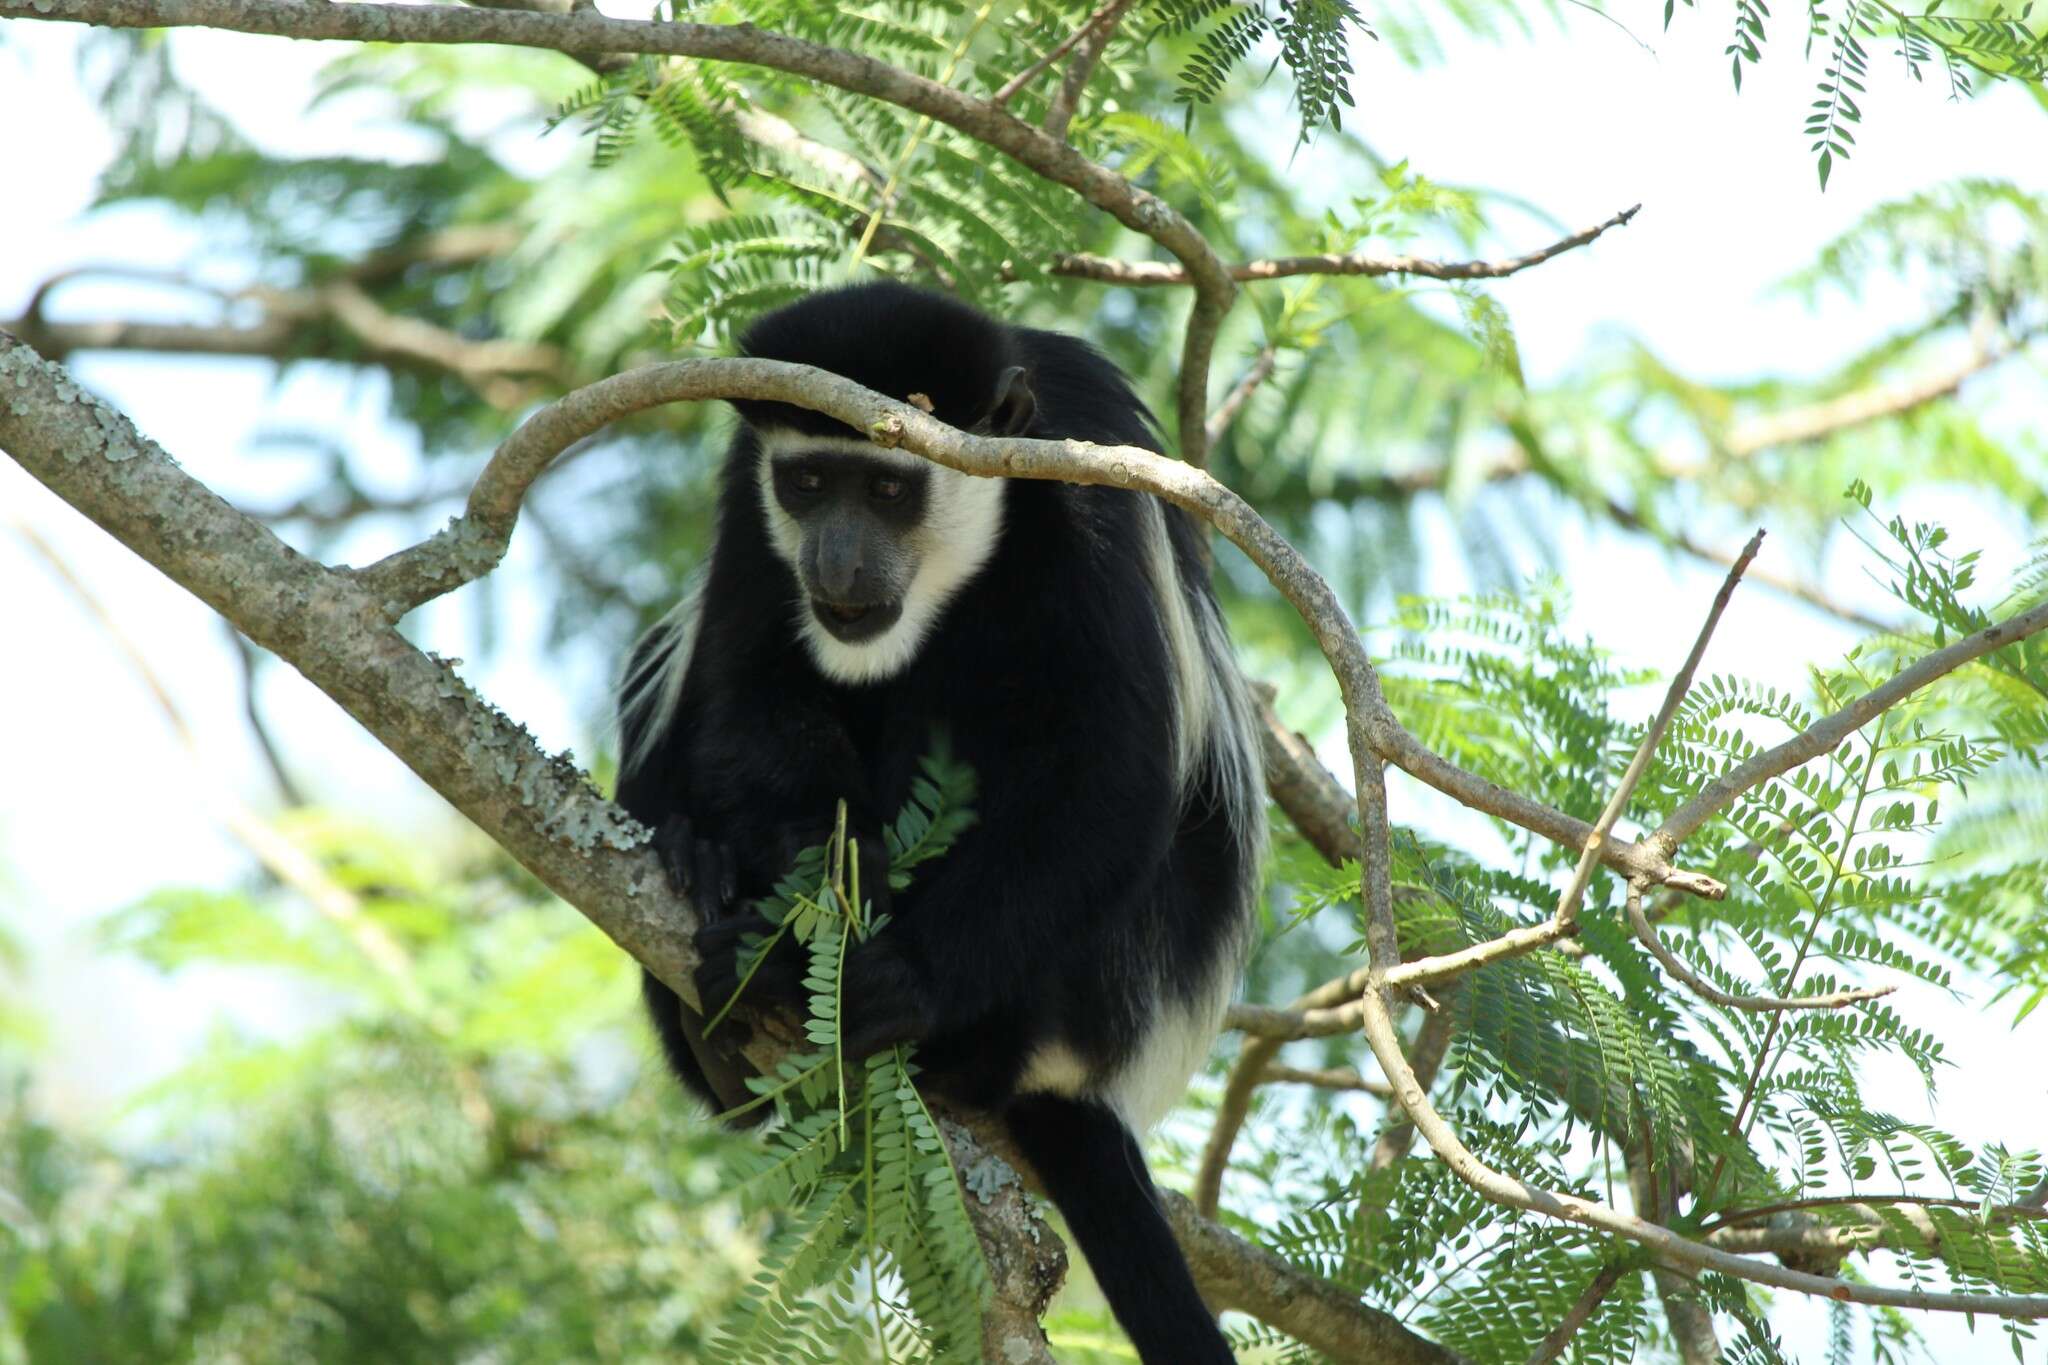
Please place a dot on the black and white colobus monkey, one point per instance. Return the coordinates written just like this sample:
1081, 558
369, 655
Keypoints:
1067, 962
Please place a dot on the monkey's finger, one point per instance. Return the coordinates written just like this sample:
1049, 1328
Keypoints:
672, 844
729, 875
707, 871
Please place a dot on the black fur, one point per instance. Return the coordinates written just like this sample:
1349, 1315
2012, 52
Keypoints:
1097, 886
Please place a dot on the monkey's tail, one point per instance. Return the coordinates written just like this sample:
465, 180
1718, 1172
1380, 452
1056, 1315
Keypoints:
1093, 1171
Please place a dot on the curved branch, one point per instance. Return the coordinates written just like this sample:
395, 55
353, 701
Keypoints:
475, 542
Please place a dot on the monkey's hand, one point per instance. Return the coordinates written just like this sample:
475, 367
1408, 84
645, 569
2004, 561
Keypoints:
886, 1001
799, 836
728, 941
730, 963
703, 871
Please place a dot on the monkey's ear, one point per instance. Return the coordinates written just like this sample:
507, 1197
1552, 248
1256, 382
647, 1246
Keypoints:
1014, 405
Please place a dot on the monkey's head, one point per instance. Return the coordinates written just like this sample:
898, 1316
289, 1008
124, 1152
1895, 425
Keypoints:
880, 540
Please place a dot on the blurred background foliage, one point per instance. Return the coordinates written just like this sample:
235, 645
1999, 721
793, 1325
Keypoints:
464, 1153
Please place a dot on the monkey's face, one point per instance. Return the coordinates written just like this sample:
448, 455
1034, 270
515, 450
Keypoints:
854, 516
878, 541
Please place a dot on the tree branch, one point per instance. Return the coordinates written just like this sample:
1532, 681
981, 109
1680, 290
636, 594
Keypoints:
1432, 1045
1326, 1078
1671, 1249
1582, 1309
1681, 683
1107, 270
1016, 83
1861, 407
1825, 734
1646, 934
1370, 724
1233, 402
499, 370
474, 542
1299, 783
537, 806
1235, 1275
1093, 38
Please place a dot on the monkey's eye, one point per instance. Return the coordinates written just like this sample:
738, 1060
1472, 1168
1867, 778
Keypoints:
884, 488
804, 481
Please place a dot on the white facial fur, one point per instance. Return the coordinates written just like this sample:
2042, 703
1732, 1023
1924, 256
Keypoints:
963, 517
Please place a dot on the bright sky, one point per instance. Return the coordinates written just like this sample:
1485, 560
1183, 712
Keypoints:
96, 807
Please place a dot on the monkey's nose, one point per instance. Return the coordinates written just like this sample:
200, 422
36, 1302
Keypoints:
839, 573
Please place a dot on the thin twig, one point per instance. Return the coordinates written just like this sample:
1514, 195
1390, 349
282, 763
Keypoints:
1233, 402
1582, 1309
1799, 589
1681, 683
1009, 88
1106, 270
1868, 1203
1646, 933
1326, 1078
1824, 735
252, 711
1067, 99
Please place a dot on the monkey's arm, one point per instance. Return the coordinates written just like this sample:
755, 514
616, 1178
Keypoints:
1075, 823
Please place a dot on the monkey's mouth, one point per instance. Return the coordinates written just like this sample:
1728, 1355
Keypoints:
853, 622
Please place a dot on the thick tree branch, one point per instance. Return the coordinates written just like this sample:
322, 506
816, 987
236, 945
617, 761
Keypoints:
537, 806
1234, 1274
1299, 783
